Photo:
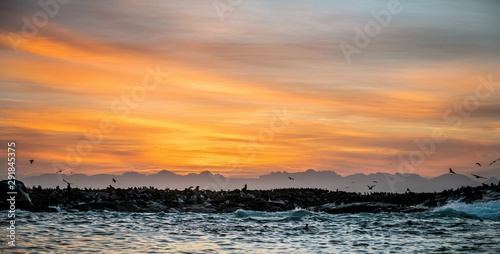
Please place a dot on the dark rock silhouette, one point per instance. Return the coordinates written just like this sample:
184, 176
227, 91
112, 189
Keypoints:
22, 196
149, 199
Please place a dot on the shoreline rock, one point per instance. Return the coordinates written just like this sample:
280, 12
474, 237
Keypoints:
149, 199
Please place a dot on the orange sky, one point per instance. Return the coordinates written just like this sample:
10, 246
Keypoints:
267, 89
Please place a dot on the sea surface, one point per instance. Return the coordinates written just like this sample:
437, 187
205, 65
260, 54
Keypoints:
453, 228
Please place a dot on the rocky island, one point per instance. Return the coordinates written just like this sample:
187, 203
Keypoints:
149, 199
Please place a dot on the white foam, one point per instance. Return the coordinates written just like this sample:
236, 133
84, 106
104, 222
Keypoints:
485, 210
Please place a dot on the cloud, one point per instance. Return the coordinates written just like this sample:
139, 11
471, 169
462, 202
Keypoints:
226, 78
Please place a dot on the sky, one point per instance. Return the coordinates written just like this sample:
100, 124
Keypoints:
245, 88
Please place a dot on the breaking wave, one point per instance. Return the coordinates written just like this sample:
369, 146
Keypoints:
481, 210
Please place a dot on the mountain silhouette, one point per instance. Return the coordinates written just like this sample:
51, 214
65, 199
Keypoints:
308, 179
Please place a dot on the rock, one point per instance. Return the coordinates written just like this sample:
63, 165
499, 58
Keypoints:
22, 198
153, 206
259, 205
154, 200
216, 200
277, 202
247, 197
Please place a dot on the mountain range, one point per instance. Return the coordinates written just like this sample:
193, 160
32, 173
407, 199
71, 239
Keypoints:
381, 182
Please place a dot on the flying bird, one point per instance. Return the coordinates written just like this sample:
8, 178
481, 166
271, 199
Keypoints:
59, 171
494, 161
114, 180
479, 164
291, 178
69, 184
451, 171
31, 161
371, 187
375, 181
478, 176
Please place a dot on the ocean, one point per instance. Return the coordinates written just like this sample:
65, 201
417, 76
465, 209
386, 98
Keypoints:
454, 228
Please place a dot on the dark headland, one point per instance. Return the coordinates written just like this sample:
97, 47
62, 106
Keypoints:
149, 199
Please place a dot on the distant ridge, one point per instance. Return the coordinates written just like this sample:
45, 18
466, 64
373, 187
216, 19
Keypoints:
384, 182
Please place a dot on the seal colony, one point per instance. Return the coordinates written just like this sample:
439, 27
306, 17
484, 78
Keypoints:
149, 199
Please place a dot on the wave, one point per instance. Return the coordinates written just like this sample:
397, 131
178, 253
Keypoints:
481, 210
59, 209
300, 213
297, 214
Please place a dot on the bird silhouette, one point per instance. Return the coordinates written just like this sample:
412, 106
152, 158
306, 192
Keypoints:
69, 184
371, 187
375, 181
478, 176
291, 178
494, 161
451, 171
59, 171
31, 161
479, 164
408, 190
114, 180
244, 188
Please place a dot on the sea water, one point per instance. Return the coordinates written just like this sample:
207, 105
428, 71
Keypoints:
454, 228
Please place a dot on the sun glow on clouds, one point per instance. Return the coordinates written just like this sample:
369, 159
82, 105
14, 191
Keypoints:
226, 81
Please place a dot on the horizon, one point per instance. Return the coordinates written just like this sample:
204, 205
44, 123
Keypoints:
359, 87
359, 182
148, 173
